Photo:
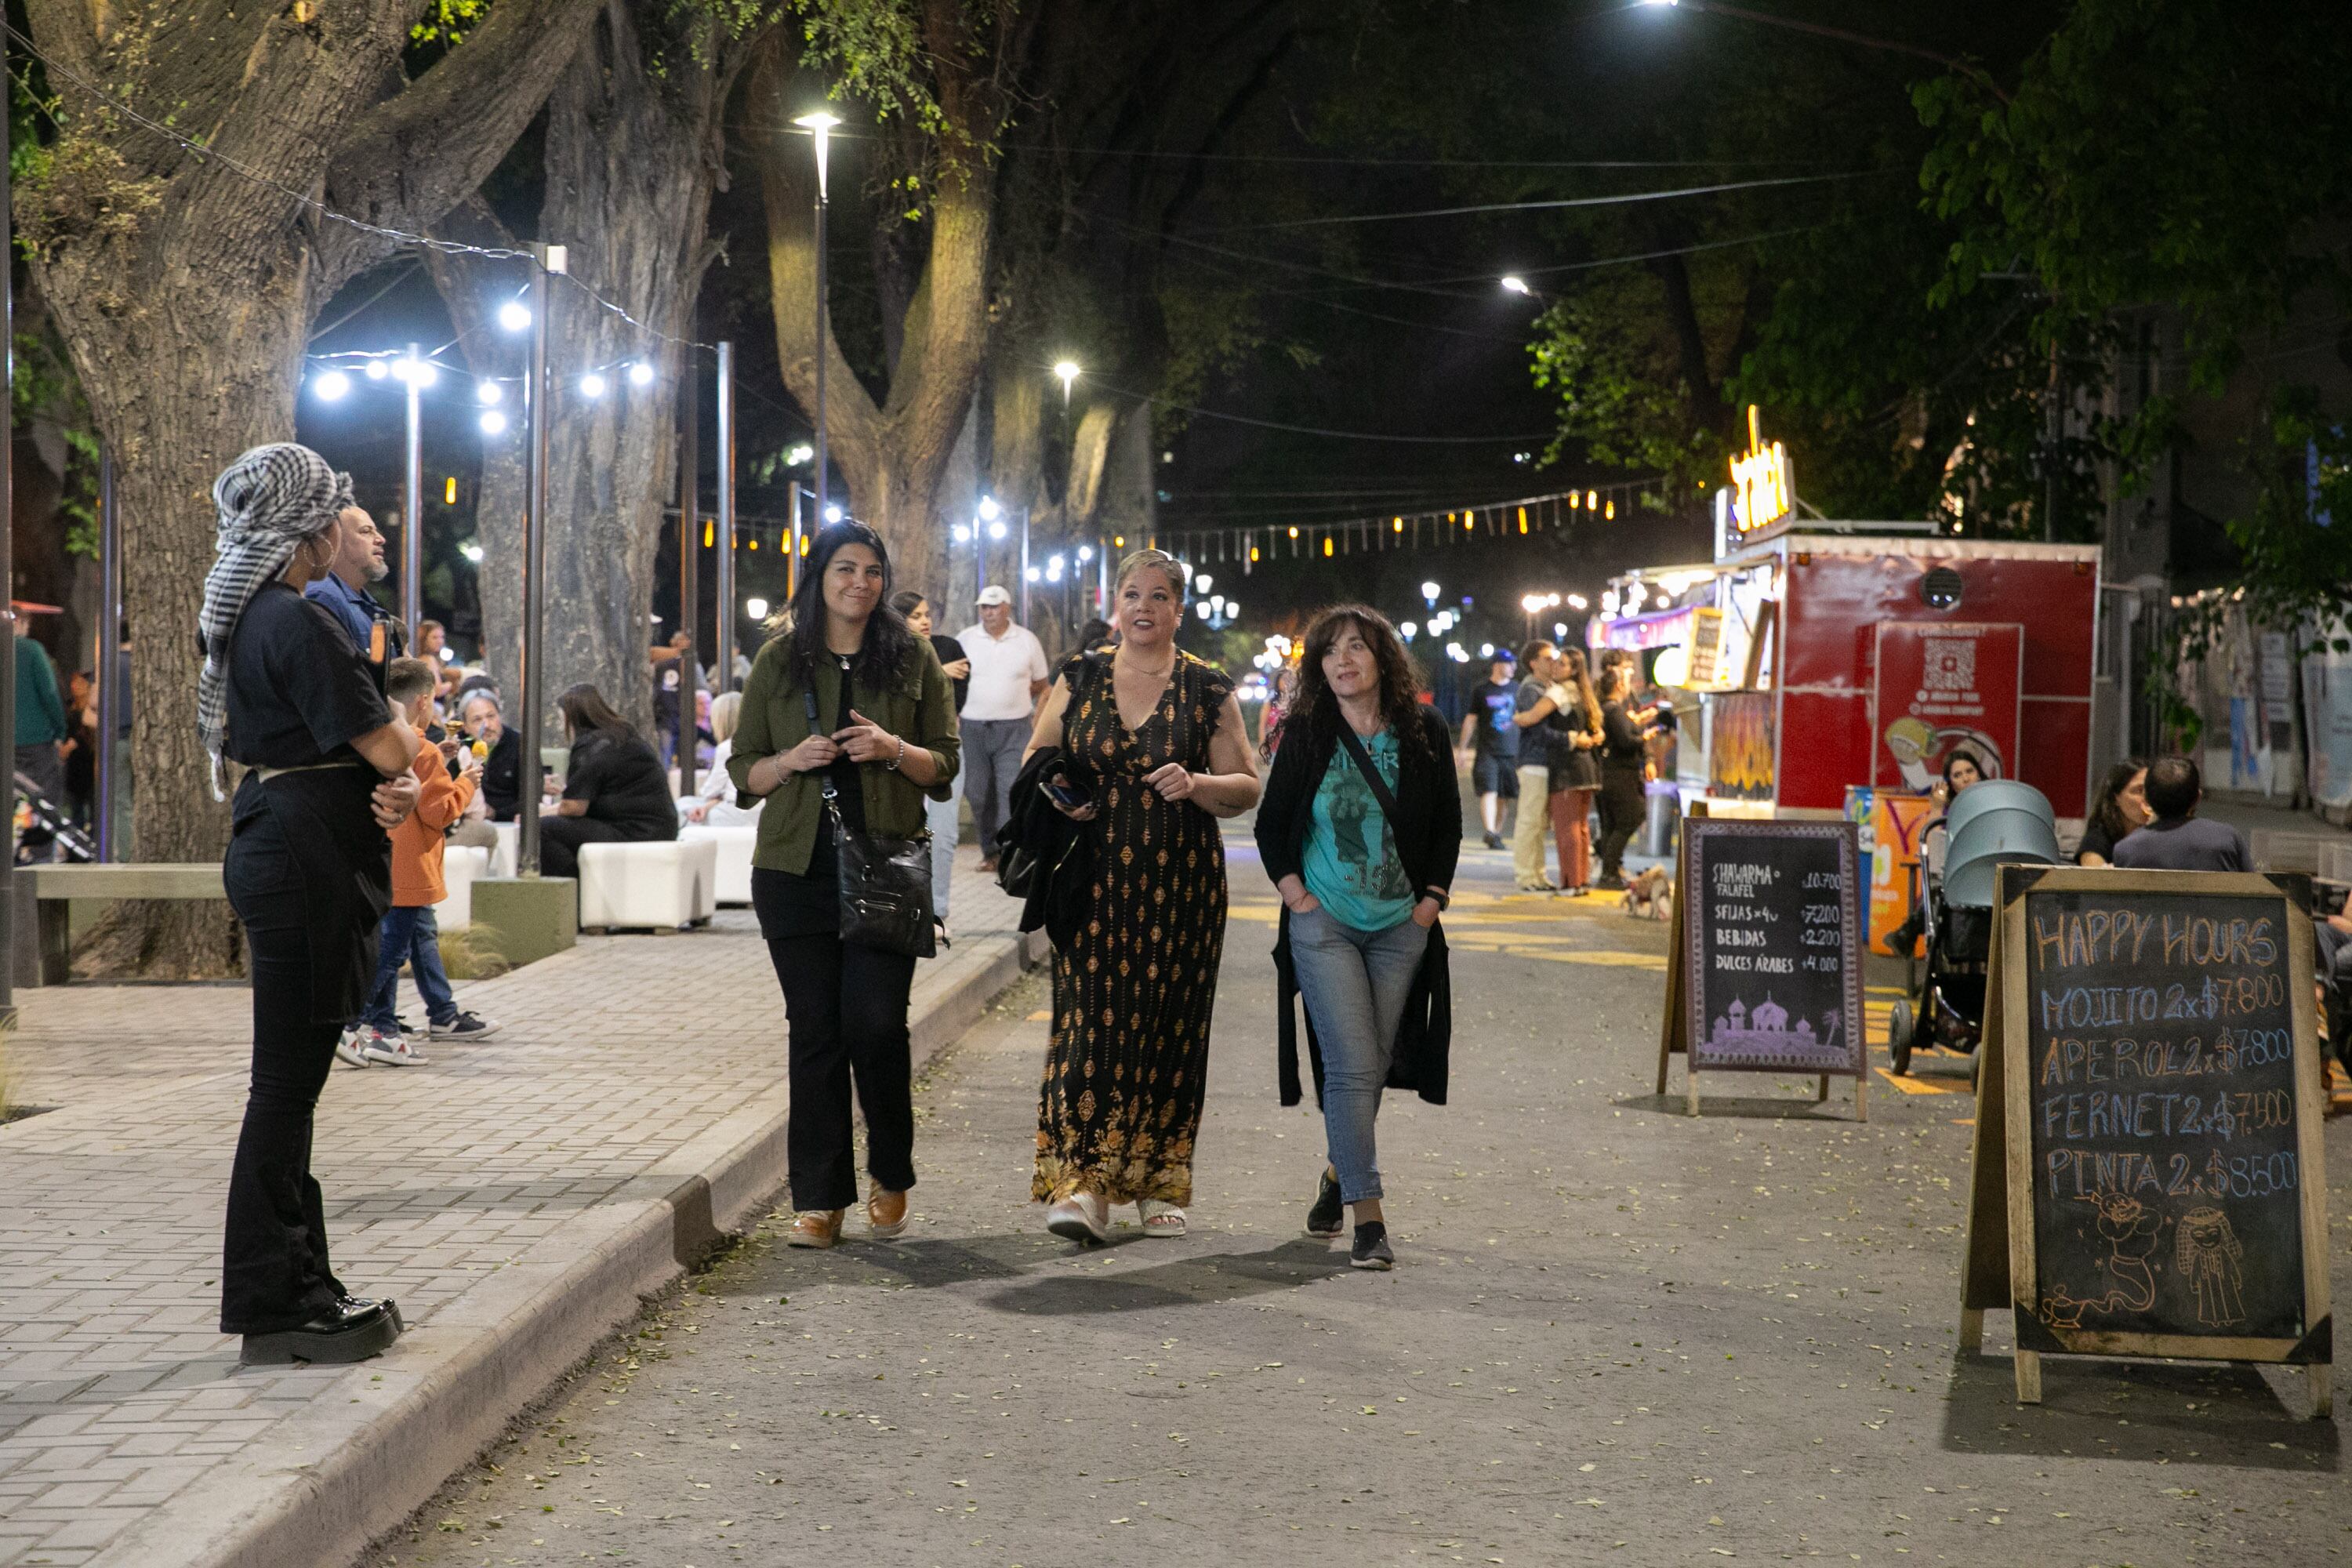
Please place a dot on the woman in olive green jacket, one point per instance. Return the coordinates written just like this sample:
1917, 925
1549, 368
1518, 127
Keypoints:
885, 736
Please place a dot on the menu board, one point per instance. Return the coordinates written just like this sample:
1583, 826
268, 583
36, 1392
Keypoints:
1766, 972
2156, 1094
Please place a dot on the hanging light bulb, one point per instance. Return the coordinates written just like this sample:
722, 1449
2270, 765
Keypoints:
641, 374
494, 423
377, 370
592, 385
488, 393
330, 385
514, 316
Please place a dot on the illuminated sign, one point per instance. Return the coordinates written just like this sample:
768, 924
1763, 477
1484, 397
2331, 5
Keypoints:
1761, 493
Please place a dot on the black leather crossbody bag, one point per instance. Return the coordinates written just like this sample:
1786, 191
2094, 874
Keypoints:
884, 884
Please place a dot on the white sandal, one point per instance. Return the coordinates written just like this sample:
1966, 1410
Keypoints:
1082, 1217
1160, 1219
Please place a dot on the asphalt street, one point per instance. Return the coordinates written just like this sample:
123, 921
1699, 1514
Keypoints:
1614, 1335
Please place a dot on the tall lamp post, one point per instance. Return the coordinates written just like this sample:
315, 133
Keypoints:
725, 651
412, 515
551, 260
819, 124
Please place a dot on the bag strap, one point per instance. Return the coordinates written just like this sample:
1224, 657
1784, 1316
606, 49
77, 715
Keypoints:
1388, 807
1380, 787
824, 775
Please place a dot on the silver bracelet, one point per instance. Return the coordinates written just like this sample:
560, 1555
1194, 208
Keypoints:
893, 764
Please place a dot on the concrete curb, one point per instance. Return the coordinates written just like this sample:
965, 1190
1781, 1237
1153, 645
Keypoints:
382, 1439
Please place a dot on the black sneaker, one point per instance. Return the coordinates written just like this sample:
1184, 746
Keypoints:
464, 1027
1372, 1248
1324, 1218
1493, 841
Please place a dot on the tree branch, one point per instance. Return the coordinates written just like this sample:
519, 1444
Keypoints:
410, 159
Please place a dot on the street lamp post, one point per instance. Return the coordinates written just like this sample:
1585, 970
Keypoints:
412, 515
551, 260
690, 594
724, 654
820, 125
109, 665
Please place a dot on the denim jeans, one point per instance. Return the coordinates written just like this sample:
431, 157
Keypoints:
414, 937
942, 817
1355, 983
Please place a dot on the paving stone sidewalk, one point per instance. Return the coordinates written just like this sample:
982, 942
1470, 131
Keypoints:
626, 1069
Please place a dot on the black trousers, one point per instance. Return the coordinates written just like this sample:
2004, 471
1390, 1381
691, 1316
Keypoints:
846, 1009
1624, 802
560, 838
273, 1272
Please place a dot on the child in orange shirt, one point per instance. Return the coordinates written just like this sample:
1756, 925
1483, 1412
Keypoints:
408, 933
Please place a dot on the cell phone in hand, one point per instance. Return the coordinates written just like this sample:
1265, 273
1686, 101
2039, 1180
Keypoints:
1066, 795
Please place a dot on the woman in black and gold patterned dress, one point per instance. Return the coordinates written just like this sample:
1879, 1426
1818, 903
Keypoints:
1153, 751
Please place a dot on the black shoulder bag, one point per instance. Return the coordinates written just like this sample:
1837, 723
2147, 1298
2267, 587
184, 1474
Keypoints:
884, 883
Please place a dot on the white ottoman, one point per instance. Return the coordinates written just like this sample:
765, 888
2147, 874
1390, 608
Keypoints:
460, 864
508, 854
661, 885
735, 845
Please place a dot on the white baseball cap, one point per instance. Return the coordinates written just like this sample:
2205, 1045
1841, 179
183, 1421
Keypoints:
994, 593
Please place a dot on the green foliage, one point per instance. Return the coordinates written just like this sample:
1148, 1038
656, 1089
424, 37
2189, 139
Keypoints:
878, 53
447, 21
46, 389
2173, 153
1623, 398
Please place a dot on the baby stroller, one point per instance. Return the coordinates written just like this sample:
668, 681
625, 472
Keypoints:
51, 816
1991, 822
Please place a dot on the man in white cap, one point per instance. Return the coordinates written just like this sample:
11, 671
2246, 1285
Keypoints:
1008, 676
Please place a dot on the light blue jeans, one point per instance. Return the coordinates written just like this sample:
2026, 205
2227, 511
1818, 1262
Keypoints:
1355, 983
940, 816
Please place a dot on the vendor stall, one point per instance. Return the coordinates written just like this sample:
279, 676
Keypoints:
1839, 655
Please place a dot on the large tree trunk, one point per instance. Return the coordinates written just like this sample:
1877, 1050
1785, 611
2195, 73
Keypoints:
632, 157
895, 454
184, 285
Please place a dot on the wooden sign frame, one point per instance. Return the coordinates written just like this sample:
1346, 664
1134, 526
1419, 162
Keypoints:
2000, 1266
1675, 1029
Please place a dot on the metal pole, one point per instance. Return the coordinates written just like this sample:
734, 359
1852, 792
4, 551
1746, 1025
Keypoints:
109, 664
550, 260
412, 522
792, 546
725, 658
8, 586
820, 330
690, 589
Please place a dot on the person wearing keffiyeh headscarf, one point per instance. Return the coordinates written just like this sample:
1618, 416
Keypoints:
270, 501
308, 872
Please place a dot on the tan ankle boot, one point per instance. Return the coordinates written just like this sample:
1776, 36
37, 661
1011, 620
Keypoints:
815, 1227
885, 1214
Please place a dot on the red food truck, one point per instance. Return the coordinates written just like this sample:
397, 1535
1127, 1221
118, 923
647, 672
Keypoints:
1839, 655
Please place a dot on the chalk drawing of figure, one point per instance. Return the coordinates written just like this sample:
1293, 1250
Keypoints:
2130, 1230
2210, 1257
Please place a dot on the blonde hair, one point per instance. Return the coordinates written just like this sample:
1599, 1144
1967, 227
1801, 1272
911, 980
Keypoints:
1166, 566
725, 710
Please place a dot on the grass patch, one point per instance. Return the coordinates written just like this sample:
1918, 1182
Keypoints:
472, 953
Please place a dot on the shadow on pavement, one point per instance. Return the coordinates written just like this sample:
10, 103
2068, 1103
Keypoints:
1750, 1108
2229, 1415
1183, 1281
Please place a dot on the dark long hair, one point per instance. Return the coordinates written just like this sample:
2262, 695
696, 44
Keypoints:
1580, 682
585, 713
2106, 808
888, 645
1317, 710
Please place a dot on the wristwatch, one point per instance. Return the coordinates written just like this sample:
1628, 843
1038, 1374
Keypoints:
1444, 899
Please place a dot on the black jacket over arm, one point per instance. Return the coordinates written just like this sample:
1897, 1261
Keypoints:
1429, 842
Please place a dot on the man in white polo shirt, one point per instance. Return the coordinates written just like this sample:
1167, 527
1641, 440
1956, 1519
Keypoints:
1008, 676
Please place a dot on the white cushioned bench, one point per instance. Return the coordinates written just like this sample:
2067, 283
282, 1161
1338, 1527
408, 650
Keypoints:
735, 844
460, 864
659, 886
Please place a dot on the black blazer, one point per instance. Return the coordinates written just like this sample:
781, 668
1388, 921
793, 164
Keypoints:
1429, 842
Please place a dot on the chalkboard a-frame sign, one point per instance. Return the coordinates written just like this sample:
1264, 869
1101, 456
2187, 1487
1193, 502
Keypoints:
1764, 965
2148, 1177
